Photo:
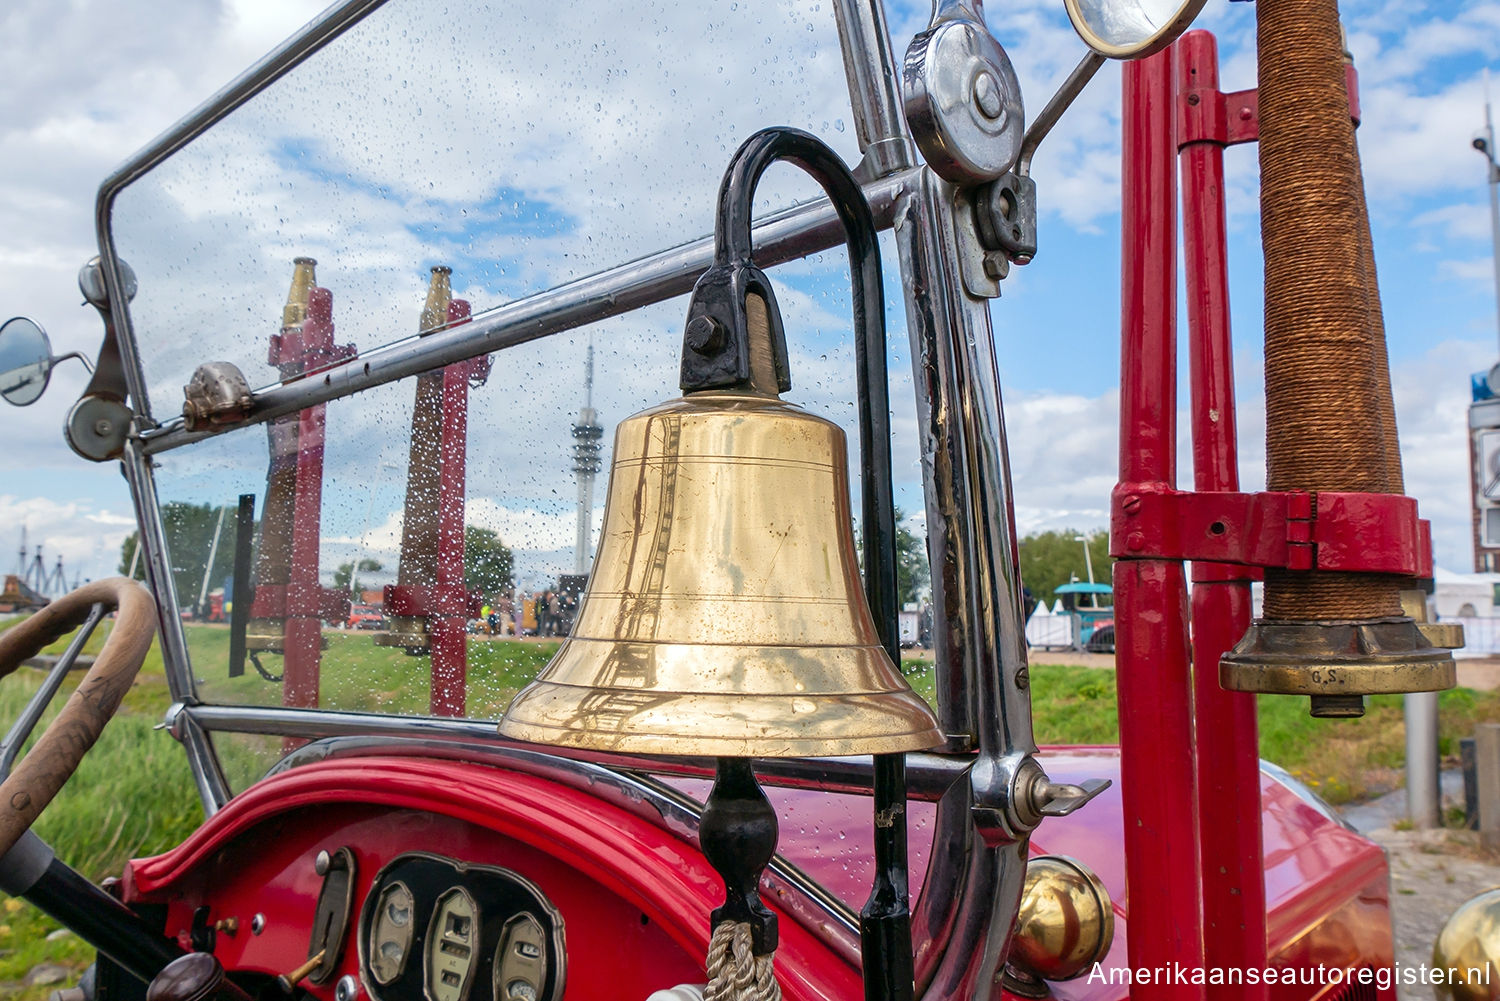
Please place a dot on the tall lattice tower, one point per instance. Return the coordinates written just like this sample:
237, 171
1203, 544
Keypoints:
586, 446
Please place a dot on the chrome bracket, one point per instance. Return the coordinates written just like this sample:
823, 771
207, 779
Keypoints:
99, 423
961, 97
982, 268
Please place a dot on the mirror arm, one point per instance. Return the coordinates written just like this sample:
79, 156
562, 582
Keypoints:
75, 354
1060, 102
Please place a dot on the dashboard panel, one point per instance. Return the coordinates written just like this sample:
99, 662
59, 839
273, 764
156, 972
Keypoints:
465, 882
438, 929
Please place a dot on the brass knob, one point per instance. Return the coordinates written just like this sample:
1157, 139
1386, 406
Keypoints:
1066, 924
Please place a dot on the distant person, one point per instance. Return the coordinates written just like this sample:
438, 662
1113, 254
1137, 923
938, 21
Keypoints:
554, 612
543, 620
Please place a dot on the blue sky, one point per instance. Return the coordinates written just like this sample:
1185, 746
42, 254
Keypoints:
91, 84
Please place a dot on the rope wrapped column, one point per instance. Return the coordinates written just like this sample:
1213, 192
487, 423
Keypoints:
1330, 416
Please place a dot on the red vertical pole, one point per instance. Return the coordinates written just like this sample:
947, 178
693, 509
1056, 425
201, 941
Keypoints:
1152, 673
304, 594
304, 632
1229, 817
447, 626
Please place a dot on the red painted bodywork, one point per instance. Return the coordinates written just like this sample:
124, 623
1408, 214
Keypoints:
635, 896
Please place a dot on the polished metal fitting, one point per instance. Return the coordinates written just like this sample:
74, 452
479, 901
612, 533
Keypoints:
1337, 663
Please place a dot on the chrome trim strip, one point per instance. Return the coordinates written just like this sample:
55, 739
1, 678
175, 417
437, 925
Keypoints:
213, 788
962, 921
929, 776
796, 232
874, 94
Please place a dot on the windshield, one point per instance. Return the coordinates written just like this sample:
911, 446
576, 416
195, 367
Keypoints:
521, 146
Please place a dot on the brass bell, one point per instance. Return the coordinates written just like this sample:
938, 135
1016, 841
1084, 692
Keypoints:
724, 615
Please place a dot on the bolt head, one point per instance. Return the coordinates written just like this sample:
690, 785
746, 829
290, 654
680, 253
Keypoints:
257, 924
321, 863
103, 426
987, 96
1136, 542
705, 335
346, 989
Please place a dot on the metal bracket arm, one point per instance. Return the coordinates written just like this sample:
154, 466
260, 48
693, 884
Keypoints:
1205, 114
280, 601
1355, 532
426, 602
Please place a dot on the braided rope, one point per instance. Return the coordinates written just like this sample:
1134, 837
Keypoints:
735, 973
1328, 423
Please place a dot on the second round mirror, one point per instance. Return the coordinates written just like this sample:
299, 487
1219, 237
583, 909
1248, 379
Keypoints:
25, 361
1130, 29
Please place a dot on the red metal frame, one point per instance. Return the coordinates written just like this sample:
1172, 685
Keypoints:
1228, 759
304, 604
1370, 533
1190, 772
1157, 780
448, 606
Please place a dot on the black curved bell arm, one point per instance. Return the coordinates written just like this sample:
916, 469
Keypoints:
716, 355
716, 350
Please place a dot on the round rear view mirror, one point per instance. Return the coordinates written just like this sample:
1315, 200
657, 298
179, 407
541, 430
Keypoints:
25, 361
1130, 29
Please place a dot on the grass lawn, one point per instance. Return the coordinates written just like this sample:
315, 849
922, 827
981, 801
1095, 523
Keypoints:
133, 796
1342, 760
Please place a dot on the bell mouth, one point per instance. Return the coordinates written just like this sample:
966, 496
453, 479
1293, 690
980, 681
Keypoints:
778, 714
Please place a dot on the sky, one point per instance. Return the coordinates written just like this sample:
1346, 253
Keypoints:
383, 159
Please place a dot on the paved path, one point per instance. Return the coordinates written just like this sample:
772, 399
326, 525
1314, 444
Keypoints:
1432, 872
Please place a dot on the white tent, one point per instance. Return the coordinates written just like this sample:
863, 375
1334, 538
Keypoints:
1468, 599
1050, 630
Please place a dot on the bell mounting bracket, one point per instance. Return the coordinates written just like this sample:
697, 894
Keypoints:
716, 342
716, 349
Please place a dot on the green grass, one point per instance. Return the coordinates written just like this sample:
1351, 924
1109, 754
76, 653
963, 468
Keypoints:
1342, 760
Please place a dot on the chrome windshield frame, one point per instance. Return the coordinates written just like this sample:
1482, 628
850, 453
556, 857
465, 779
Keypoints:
962, 922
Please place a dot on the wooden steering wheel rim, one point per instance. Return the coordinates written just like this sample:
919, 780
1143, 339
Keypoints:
37, 778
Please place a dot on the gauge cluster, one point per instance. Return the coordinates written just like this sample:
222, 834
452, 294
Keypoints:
436, 929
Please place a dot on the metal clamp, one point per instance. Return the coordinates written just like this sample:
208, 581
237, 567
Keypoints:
1296, 530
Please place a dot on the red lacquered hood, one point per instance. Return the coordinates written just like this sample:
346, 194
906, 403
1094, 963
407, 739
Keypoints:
1314, 864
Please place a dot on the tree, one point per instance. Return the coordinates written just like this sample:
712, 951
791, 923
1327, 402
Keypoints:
912, 573
343, 577
1051, 559
487, 561
190, 531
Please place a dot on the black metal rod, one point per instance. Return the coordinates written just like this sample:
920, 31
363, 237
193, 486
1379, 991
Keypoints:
102, 921
737, 833
239, 609
885, 921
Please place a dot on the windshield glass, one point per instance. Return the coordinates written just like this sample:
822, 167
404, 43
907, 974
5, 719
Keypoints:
516, 147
